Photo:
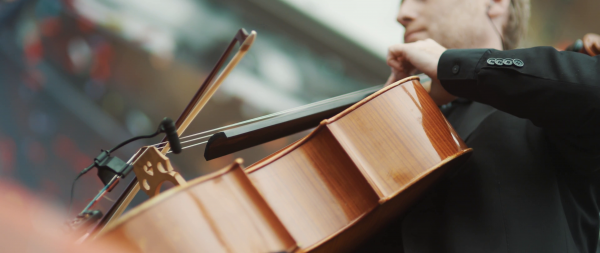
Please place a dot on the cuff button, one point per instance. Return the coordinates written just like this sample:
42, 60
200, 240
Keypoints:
455, 69
499, 61
507, 62
518, 63
491, 61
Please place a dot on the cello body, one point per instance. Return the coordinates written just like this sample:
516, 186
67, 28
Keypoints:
324, 193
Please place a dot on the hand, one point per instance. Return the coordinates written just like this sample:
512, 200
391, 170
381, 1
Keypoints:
424, 55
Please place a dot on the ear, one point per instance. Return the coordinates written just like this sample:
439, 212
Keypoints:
498, 8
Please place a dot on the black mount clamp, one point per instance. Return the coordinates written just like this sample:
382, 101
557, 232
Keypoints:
110, 166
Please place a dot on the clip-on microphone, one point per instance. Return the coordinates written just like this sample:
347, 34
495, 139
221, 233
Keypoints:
109, 166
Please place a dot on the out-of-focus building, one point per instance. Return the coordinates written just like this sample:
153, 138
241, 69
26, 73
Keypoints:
560, 22
83, 75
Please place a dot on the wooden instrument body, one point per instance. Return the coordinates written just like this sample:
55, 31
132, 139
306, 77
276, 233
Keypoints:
326, 192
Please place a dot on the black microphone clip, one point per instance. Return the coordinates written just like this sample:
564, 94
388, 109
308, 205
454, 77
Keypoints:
110, 166
168, 127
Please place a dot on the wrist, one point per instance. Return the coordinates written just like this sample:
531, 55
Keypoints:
439, 95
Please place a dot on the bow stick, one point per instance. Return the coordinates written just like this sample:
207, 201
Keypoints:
204, 93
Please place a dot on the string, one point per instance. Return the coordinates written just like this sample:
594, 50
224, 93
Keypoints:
259, 118
195, 139
193, 145
423, 78
272, 115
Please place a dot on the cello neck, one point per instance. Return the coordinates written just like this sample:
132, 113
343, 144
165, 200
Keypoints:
236, 139
247, 136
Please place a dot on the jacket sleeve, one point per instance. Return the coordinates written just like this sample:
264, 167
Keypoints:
557, 91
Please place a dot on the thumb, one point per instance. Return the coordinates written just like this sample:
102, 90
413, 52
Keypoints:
395, 76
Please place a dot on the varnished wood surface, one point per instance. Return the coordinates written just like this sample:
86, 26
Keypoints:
395, 137
325, 193
219, 213
315, 189
361, 230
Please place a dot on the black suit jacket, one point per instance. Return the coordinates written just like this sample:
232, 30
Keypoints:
532, 183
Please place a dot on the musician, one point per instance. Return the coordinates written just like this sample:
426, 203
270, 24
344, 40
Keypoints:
532, 117
497, 24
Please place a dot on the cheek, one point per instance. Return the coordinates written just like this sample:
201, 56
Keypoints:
437, 12
444, 28
432, 20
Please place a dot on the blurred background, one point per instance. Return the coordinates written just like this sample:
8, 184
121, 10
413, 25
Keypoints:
77, 76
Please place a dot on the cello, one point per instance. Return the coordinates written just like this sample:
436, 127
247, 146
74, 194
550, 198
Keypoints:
326, 192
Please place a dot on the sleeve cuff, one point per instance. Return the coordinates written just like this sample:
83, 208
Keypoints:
457, 71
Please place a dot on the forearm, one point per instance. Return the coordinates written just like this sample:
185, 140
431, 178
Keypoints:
558, 91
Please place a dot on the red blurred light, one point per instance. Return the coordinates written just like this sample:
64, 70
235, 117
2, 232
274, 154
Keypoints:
103, 56
63, 147
85, 25
80, 162
50, 27
66, 149
33, 79
7, 154
34, 51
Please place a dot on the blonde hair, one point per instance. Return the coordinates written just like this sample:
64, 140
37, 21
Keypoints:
516, 26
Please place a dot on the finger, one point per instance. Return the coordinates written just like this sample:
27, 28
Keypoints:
395, 76
399, 74
392, 60
391, 79
408, 69
394, 63
389, 57
397, 50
